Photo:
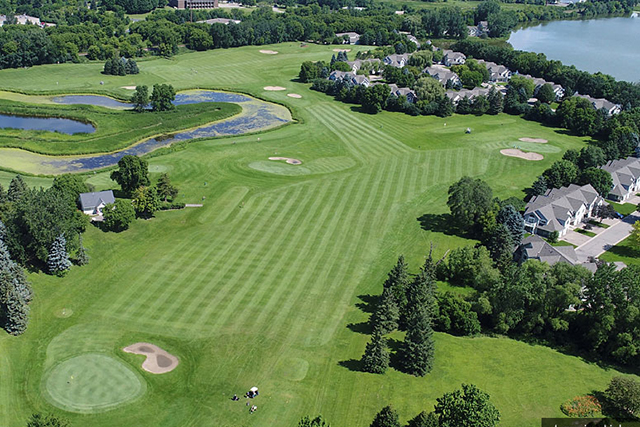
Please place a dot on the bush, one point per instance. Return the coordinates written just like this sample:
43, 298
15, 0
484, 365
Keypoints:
581, 407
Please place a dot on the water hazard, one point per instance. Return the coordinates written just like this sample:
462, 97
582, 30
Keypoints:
52, 124
256, 115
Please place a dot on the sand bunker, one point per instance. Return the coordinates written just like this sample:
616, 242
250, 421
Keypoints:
294, 95
128, 87
158, 361
536, 140
269, 52
516, 152
274, 88
342, 50
288, 160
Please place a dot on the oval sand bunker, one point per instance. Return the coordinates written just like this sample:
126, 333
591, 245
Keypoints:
536, 140
294, 95
158, 361
516, 152
274, 88
288, 160
269, 52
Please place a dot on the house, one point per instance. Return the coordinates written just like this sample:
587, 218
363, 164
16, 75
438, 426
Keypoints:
372, 64
349, 37
350, 78
538, 82
411, 38
194, 4
534, 247
603, 104
408, 93
224, 21
456, 96
24, 20
93, 203
453, 58
625, 174
396, 60
478, 30
497, 73
443, 75
560, 209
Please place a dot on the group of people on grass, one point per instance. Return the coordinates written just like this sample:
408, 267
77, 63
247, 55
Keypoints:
249, 395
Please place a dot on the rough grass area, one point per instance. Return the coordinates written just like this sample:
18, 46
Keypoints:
115, 129
271, 282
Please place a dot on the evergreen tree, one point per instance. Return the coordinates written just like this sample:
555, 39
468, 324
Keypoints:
3, 195
58, 259
313, 422
131, 67
424, 419
39, 420
385, 319
397, 281
511, 218
464, 106
3, 231
82, 258
539, 186
14, 311
500, 244
496, 102
17, 188
15, 272
418, 348
165, 189
376, 356
445, 107
387, 417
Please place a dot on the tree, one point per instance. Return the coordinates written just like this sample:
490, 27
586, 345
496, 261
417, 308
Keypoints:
313, 422
118, 216
132, 173
599, 179
465, 106
140, 98
485, 9
418, 347
605, 211
511, 218
309, 71
500, 244
3, 195
496, 101
421, 59
501, 23
70, 185
623, 394
539, 186
578, 115
162, 97
546, 94
428, 89
376, 356
15, 294
39, 420
146, 201
591, 157
634, 237
561, 174
387, 417
397, 281
81, 256
17, 188
468, 407
58, 260
375, 97
469, 200
385, 318
165, 189
445, 107
131, 67
521, 83
455, 315
424, 419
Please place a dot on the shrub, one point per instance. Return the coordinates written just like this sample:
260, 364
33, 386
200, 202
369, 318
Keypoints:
581, 407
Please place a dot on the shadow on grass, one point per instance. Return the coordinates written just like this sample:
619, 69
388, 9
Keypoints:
369, 303
610, 410
351, 364
360, 328
442, 223
624, 251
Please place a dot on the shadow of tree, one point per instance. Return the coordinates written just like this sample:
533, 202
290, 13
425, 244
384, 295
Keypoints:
369, 303
360, 328
442, 223
395, 359
351, 364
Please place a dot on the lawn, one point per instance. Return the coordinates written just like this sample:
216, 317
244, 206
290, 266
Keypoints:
624, 208
268, 284
624, 252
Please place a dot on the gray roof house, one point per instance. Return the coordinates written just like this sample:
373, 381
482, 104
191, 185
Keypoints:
601, 103
92, 203
534, 247
625, 174
351, 78
356, 65
456, 96
560, 209
557, 89
224, 21
443, 75
397, 60
354, 38
453, 58
497, 72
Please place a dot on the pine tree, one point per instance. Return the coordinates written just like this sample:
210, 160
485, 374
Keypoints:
58, 259
165, 189
3, 231
387, 417
16, 273
13, 309
385, 319
539, 186
418, 348
17, 188
397, 281
424, 419
376, 356
496, 102
3, 194
511, 218
82, 258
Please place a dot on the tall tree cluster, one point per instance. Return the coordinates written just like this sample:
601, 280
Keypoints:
15, 292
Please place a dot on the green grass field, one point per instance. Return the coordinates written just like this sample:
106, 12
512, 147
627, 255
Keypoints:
624, 252
262, 286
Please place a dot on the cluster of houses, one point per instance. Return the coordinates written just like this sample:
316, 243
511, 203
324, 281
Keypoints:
224, 21
24, 20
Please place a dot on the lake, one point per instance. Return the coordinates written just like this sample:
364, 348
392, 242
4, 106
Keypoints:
609, 45
51, 124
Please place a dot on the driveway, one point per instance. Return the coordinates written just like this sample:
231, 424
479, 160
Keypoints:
607, 239
575, 238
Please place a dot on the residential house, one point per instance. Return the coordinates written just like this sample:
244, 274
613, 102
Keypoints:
560, 209
497, 73
601, 103
93, 203
453, 58
443, 75
194, 4
538, 82
349, 37
396, 60
411, 38
456, 96
478, 30
350, 78
625, 174
372, 64
224, 21
408, 93
534, 247
24, 20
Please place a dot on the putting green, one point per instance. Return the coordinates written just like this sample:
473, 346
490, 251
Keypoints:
92, 383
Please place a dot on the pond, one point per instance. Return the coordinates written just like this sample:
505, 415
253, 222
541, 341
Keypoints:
609, 45
256, 115
52, 124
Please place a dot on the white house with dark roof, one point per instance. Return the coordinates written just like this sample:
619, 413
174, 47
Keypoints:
396, 60
456, 95
625, 174
453, 58
443, 75
349, 37
560, 209
497, 72
356, 65
224, 21
534, 247
601, 103
349, 77
93, 203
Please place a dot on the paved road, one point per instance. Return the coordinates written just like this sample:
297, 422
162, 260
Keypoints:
608, 238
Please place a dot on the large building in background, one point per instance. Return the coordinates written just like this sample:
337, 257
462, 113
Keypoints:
194, 4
